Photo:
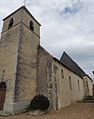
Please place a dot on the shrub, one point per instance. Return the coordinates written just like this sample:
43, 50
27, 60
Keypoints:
39, 102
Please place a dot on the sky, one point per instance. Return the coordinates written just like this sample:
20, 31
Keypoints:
67, 25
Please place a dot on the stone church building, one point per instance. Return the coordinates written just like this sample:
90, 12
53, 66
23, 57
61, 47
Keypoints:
27, 69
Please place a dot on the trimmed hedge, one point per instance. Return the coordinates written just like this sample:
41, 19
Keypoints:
39, 102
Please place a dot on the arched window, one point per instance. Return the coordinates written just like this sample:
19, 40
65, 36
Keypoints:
31, 26
10, 23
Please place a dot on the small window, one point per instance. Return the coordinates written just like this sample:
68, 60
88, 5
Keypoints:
87, 85
10, 23
70, 84
78, 85
31, 26
55, 70
62, 73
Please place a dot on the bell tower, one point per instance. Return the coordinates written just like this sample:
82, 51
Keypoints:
20, 39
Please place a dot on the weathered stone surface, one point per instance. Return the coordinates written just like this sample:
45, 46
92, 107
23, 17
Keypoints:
18, 59
28, 69
8, 62
65, 94
44, 76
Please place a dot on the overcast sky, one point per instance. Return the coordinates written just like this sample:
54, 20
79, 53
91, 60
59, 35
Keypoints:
67, 25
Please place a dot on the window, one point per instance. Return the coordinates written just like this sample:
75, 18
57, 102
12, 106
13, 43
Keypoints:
62, 73
10, 23
78, 85
31, 26
55, 70
70, 85
87, 85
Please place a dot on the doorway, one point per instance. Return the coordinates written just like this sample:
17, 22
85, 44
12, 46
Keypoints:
2, 94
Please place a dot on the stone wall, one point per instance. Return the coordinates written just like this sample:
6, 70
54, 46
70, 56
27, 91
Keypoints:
88, 84
26, 21
44, 76
8, 62
16, 18
68, 89
18, 59
27, 65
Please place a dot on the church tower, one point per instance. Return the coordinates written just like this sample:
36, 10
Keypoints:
20, 39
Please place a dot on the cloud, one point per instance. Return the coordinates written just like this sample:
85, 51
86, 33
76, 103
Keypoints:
71, 31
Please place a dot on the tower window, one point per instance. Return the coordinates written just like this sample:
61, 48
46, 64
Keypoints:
31, 26
10, 23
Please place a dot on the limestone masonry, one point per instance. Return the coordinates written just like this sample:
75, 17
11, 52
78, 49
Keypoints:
27, 69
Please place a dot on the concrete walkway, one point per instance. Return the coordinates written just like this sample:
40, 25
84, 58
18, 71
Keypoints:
76, 111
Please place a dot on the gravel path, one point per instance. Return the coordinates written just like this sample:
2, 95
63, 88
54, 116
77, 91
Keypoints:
76, 111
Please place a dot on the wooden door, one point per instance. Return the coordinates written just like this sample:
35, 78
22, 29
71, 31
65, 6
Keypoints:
2, 94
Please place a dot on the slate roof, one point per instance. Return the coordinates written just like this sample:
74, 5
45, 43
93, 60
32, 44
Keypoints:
65, 66
68, 62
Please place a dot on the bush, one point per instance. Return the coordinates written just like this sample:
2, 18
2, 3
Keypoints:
39, 102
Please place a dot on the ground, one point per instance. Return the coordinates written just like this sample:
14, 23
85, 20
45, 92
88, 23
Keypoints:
76, 111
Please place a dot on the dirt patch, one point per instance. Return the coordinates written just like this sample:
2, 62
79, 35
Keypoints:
76, 111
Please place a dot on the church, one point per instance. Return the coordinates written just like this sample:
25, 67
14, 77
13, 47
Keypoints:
27, 69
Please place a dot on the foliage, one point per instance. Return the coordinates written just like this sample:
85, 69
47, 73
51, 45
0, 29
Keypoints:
39, 102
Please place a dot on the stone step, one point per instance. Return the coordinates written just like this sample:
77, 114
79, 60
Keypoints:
88, 98
88, 101
2, 113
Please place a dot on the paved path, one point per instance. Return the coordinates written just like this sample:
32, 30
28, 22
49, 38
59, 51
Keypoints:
76, 111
